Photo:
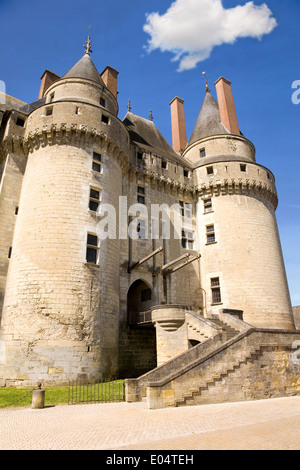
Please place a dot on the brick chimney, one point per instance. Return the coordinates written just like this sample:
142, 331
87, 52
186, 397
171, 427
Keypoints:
110, 78
179, 139
46, 80
226, 105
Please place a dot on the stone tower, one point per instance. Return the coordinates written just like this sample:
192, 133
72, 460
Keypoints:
52, 323
241, 259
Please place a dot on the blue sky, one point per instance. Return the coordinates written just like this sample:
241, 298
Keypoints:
38, 35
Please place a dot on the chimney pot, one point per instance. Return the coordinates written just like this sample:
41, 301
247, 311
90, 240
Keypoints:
179, 138
47, 79
226, 105
110, 78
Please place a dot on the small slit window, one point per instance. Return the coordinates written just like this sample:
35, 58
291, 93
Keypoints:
102, 102
97, 162
92, 248
20, 122
94, 200
105, 119
141, 195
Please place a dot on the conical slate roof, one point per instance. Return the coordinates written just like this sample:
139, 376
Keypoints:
208, 122
86, 69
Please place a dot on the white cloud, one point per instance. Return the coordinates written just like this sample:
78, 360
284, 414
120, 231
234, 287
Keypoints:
190, 29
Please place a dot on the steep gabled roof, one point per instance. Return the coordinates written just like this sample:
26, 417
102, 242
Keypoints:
145, 135
208, 122
86, 69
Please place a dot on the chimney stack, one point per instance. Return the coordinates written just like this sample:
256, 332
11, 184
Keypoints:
46, 80
226, 105
110, 78
179, 138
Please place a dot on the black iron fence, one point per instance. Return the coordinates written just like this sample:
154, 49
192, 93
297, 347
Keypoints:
96, 392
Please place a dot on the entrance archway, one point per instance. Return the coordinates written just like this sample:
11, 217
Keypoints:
140, 298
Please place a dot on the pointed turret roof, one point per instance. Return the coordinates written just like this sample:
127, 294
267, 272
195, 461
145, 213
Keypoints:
208, 122
86, 69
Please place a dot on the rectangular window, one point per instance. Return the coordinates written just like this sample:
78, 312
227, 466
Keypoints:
97, 162
243, 167
51, 97
92, 248
49, 111
210, 170
202, 153
186, 210
187, 239
164, 164
102, 102
210, 234
105, 119
207, 205
215, 290
186, 173
94, 200
141, 195
139, 155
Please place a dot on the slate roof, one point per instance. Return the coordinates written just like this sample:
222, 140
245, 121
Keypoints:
86, 69
208, 122
145, 135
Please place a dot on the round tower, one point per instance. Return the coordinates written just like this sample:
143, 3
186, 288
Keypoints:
61, 308
242, 268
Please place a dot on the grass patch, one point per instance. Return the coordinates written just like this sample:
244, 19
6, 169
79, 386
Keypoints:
16, 397
21, 397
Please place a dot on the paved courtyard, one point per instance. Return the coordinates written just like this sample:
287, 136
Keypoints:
264, 425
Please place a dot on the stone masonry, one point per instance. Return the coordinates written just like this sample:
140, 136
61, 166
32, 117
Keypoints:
81, 298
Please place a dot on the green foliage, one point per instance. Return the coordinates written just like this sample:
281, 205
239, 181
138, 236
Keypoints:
20, 397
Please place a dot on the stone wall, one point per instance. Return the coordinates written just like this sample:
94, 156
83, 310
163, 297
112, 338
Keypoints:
255, 365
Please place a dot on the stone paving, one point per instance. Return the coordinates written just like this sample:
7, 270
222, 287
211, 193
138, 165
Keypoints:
262, 425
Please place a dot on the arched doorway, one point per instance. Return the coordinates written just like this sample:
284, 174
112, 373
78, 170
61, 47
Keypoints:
140, 299
138, 339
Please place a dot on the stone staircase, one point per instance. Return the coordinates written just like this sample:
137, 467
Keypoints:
204, 390
229, 332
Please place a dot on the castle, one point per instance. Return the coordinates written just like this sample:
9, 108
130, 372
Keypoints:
90, 290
